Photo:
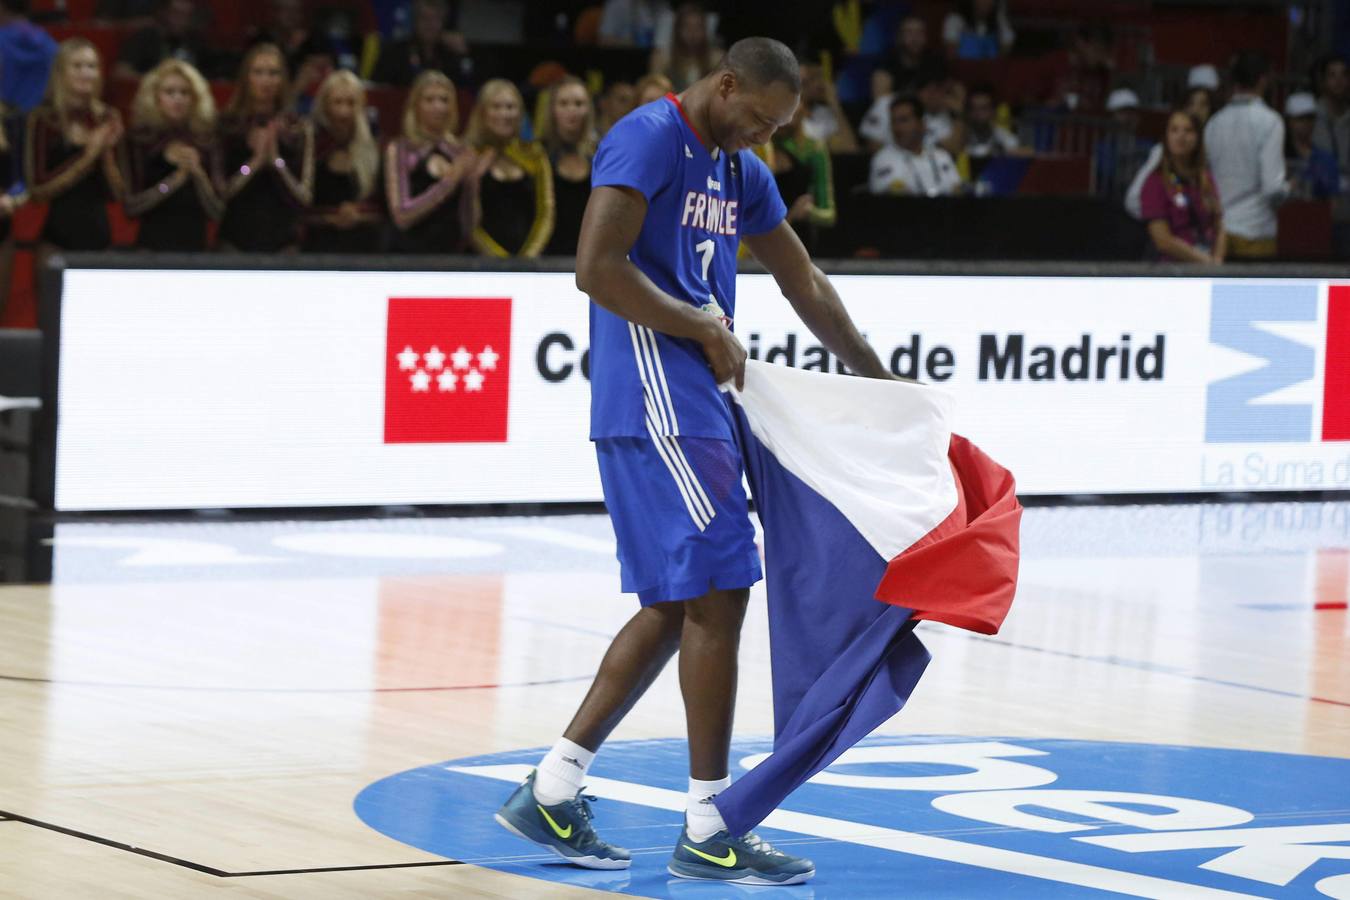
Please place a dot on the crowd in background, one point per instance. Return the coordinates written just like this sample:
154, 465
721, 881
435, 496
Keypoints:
292, 156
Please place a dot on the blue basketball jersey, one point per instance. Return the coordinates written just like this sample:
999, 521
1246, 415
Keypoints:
644, 383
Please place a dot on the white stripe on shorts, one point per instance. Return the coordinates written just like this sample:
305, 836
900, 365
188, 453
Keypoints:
653, 376
695, 509
700, 496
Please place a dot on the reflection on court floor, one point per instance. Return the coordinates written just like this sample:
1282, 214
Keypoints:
243, 698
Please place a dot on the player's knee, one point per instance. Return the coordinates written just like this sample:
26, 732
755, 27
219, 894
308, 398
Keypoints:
718, 610
670, 620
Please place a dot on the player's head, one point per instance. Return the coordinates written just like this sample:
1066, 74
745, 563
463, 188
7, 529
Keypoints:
756, 88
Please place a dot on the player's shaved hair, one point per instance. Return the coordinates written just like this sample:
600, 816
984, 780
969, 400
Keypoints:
758, 62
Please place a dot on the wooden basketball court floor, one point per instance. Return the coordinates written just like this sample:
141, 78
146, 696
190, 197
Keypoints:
190, 709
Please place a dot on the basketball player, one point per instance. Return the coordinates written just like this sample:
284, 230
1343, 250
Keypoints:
675, 190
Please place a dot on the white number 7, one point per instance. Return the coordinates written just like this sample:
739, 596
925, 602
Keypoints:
706, 249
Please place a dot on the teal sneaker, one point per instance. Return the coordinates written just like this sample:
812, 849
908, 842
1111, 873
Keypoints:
744, 860
564, 828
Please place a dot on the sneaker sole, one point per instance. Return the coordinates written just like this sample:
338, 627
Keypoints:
585, 862
744, 879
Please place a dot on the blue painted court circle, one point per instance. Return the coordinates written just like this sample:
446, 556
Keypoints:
935, 816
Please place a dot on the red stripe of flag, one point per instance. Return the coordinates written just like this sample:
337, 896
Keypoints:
1336, 397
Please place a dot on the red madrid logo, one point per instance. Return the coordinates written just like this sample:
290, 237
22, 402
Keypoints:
447, 370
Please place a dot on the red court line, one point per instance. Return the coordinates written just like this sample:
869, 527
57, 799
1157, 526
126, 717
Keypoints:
1329, 606
1332, 702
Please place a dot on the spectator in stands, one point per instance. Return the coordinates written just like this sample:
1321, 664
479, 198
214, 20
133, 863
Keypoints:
652, 87
823, 118
11, 198
429, 175
617, 101
335, 38
979, 29
1313, 173
515, 180
269, 158
1331, 134
692, 51
1180, 202
909, 164
1120, 152
1245, 145
569, 137
1202, 92
1079, 75
285, 29
632, 23
174, 178
173, 35
943, 105
984, 136
432, 47
71, 158
911, 61
26, 54
801, 168
1332, 131
345, 216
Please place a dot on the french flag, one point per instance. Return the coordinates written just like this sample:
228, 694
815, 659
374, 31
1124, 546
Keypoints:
875, 517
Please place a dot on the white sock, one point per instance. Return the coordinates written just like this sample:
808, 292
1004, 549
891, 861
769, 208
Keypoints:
561, 772
701, 813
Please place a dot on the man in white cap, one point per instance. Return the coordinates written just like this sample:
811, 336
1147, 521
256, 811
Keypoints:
1313, 173
1202, 91
1120, 152
1245, 145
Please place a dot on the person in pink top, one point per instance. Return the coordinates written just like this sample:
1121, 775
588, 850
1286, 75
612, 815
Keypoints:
1180, 202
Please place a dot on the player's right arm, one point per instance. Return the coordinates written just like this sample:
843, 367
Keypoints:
609, 228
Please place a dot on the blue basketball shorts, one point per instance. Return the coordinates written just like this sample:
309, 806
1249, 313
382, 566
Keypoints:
680, 514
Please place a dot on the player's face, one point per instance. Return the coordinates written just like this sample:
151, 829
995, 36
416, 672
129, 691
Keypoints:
745, 118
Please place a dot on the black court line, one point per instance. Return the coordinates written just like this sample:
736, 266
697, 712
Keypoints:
1147, 667
209, 870
22, 679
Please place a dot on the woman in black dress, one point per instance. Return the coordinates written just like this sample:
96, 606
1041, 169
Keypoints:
269, 158
515, 180
569, 138
174, 178
70, 153
344, 217
429, 174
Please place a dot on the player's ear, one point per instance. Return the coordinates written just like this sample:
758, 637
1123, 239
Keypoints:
726, 84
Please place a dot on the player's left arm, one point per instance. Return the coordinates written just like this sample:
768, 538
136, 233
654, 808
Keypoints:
814, 298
